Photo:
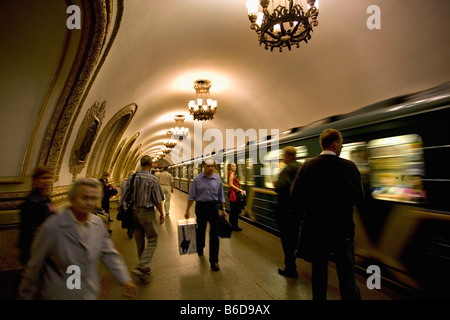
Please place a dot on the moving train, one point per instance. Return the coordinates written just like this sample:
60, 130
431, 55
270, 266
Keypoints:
402, 148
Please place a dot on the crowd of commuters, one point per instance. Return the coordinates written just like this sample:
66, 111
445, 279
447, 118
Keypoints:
318, 194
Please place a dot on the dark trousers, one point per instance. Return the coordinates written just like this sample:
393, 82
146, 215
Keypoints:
208, 212
344, 253
289, 225
235, 211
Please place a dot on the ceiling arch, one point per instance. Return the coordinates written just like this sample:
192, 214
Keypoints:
163, 47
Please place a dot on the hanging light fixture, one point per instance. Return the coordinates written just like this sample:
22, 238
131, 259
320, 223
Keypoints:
280, 25
179, 131
165, 150
203, 108
169, 142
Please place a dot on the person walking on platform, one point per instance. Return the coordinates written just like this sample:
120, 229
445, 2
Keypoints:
325, 189
287, 218
235, 204
207, 192
36, 208
68, 248
126, 223
166, 181
146, 195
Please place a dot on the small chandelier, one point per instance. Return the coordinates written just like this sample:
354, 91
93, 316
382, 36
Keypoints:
283, 26
169, 142
165, 150
179, 131
205, 108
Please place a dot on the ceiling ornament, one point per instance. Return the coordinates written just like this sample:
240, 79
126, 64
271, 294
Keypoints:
281, 26
179, 132
203, 108
169, 142
165, 150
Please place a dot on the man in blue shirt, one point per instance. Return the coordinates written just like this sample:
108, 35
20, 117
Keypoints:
207, 192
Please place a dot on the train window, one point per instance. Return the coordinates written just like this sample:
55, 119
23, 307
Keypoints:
184, 172
301, 154
190, 172
397, 168
240, 171
357, 152
221, 171
249, 163
195, 171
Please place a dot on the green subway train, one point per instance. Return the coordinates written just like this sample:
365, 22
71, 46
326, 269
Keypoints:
402, 148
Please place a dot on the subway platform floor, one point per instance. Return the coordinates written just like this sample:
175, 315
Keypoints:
249, 261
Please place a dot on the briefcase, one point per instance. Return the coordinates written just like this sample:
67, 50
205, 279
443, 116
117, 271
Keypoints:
187, 241
224, 228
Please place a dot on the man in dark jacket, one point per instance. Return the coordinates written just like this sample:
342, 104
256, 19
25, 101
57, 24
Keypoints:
288, 220
35, 210
325, 189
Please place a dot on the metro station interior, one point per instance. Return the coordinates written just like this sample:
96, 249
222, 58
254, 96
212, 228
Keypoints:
91, 86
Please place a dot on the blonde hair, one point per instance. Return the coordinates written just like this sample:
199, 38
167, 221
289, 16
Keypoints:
91, 182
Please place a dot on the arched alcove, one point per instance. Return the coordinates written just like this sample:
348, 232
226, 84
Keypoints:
102, 156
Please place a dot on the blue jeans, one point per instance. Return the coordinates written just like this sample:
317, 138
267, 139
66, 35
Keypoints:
344, 252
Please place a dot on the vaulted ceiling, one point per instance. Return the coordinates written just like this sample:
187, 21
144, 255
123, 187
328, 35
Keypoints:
149, 53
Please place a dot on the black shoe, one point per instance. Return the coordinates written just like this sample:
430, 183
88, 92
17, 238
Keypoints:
288, 273
236, 229
215, 266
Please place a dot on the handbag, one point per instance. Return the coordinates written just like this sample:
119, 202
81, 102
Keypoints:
241, 198
224, 228
126, 214
111, 191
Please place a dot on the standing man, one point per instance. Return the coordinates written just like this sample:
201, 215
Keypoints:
146, 195
288, 219
166, 181
68, 248
325, 189
207, 192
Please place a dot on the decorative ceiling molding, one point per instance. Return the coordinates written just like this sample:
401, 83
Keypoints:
86, 66
87, 133
108, 141
123, 158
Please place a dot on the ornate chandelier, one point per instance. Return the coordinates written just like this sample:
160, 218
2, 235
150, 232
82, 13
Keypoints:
165, 150
281, 25
205, 108
179, 131
169, 142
